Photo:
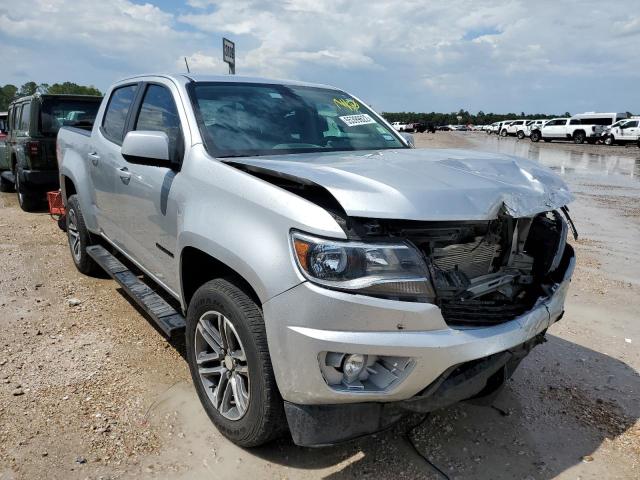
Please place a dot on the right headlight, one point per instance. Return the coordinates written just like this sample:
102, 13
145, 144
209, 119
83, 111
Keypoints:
393, 270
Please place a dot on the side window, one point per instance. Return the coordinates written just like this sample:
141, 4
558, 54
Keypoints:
16, 117
158, 112
24, 117
574, 122
115, 117
7, 124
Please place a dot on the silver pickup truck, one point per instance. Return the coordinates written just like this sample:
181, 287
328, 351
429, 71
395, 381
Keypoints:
326, 276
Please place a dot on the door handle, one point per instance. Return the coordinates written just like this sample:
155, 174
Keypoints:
125, 175
95, 158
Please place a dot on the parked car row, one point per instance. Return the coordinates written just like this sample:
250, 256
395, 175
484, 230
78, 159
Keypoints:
590, 127
317, 287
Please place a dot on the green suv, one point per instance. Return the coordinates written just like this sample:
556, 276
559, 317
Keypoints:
28, 160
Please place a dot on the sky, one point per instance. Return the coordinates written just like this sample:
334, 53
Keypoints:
497, 56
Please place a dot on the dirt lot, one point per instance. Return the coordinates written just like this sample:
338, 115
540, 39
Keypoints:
89, 389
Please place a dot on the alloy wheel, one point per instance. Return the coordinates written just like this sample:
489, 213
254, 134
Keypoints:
222, 365
74, 235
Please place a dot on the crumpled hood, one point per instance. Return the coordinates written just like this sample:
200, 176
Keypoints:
426, 184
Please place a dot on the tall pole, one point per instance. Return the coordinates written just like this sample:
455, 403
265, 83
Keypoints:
187, 64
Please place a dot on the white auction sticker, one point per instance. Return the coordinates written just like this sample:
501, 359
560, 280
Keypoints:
360, 119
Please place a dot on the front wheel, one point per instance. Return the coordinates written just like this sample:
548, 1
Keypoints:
230, 364
503, 133
520, 135
535, 136
609, 140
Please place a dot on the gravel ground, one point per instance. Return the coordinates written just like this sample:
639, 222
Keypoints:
89, 389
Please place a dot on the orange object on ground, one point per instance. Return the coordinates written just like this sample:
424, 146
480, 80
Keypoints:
56, 207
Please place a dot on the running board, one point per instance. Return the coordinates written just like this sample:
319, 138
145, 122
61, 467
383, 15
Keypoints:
164, 315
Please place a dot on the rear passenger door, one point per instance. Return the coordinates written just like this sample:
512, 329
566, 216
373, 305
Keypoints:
149, 208
630, 131
105, 163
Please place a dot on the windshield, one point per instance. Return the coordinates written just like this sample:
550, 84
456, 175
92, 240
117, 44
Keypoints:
242, 119
58, 112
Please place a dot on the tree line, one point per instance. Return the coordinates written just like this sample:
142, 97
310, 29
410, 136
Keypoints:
9, 92
467, 118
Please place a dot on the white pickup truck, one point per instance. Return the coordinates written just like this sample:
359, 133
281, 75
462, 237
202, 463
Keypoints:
623, 131
583, 127
325, 275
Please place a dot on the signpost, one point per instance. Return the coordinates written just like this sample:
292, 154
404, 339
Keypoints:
229, 54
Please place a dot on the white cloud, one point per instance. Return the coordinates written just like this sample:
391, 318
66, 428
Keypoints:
419, 54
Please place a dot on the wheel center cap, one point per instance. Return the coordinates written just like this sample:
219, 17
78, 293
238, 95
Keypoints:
228, 362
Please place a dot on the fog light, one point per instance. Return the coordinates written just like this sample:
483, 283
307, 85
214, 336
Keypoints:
352, 366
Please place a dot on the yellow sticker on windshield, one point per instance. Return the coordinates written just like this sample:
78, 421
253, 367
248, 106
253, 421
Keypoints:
347, 104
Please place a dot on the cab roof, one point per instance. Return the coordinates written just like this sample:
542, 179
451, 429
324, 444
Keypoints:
184, 78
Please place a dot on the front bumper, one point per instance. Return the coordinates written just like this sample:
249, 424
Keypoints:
479, 381
307, 320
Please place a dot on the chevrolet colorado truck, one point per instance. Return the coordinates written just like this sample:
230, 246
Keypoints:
327, 277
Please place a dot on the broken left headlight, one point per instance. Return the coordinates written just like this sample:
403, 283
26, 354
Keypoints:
388, 270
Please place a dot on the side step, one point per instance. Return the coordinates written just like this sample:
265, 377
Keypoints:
166, 317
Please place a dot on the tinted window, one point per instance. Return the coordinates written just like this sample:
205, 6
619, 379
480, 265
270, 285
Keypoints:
575, 121
632, 124
58, 112
158, 113
597, 121
15, 118
115, 117
24, 117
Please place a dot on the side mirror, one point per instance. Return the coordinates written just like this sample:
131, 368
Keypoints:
146, 148
409, 139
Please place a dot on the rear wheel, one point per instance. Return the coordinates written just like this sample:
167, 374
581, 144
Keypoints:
230, 364
79, 238
29, 201
6, 185
578, 138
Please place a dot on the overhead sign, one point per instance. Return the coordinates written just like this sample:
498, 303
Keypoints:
229, 54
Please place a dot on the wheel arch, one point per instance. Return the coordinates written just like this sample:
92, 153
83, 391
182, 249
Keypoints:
198, 267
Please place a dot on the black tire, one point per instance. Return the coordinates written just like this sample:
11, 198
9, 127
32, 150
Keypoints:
75, 226
609, 140
6, 186
520, 134
264, 417
28, 200
535, 136
579, 137
503, 133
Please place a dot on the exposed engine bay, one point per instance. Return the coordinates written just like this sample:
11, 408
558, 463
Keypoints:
485, 272
482, 272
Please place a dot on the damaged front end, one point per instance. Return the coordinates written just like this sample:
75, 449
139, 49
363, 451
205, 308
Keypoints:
484, 272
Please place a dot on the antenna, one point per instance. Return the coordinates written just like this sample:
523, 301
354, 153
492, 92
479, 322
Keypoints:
187, 64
